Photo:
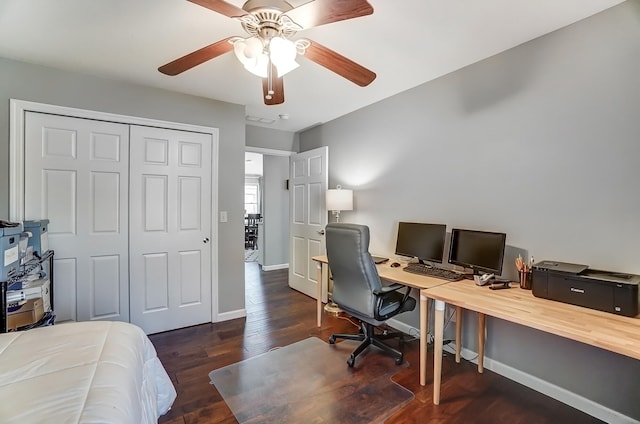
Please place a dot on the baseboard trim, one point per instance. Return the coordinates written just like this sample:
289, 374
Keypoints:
556, 392
226, 316
274, 267
565, 396
405, 328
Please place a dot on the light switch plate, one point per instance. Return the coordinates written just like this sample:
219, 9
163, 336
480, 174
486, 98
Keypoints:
223, 216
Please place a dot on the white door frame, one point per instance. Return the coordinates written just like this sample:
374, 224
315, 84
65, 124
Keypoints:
268, 152
17, 110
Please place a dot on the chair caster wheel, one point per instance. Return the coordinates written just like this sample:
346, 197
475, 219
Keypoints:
332, 340
399, 361
351, 361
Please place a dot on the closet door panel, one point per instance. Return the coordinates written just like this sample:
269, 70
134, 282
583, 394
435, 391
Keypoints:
65, 289
154, 282
105, 287
77, 176
154, 188
106, 206
58, 201
170, 219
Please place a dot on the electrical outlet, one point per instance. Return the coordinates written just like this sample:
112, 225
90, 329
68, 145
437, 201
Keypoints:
223, 216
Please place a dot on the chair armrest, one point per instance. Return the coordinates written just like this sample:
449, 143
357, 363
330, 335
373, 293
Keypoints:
387, 289
384, 292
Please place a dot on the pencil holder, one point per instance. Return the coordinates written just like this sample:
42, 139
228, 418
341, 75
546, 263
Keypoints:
525, 280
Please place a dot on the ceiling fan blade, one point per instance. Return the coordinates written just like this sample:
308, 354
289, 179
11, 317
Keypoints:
278, 91
339, 64
321, 12
197, 57
221, 7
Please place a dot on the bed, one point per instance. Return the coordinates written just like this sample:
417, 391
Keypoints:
85, 372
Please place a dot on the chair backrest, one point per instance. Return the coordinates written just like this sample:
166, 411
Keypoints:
355, 275
252, 219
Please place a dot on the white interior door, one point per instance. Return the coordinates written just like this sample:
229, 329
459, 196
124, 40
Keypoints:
76, 175
170, 228
308, 218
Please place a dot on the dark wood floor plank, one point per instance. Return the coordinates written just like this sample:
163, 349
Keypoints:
279, 316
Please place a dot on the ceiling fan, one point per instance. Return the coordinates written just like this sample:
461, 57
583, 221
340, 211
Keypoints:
269, 51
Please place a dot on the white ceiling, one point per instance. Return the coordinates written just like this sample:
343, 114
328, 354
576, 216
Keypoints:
405, 42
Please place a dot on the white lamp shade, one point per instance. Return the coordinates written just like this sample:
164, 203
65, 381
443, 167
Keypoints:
248, 49
250, 52
259, 67
283, 55
339, 200
287, 67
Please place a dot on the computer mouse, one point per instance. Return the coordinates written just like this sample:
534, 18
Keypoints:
395, 265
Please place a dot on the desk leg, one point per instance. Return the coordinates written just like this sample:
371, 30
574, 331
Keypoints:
437, 349
319, 292
481, 329
424, 331
458, 333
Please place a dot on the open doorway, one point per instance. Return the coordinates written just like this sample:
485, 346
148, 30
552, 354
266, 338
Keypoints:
271, 202
253, 189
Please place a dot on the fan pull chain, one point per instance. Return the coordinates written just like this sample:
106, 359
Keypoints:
270, 91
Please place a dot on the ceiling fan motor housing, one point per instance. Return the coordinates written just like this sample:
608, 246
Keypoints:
253, 6
267, 20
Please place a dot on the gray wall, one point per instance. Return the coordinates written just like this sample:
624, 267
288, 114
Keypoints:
268, 138
276, 211
541, 142
46, 85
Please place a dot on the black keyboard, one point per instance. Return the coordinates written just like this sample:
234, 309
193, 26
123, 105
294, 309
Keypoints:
432, 271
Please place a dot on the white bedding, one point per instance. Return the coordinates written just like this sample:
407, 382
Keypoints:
85, 372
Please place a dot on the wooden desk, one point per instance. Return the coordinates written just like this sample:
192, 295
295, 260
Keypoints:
394, 275
601, 329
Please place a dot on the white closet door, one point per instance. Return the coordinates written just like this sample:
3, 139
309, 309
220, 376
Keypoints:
76, 175
170, 228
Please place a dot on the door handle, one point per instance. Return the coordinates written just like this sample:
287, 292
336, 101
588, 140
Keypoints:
206, 240
321, 232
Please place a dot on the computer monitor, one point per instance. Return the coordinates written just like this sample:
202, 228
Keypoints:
481, 251
421, 240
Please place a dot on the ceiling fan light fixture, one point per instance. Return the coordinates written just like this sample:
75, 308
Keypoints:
285, 68
247, 50
255, 57
283, 54
250, 52
259, 66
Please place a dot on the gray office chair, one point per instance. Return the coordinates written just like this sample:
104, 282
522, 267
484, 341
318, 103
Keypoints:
358, 291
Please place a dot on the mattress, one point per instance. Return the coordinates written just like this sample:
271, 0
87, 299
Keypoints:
85, 372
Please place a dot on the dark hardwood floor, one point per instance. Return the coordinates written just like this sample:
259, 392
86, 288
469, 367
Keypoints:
278, 316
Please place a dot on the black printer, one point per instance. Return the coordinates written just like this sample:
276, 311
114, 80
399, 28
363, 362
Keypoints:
577, 284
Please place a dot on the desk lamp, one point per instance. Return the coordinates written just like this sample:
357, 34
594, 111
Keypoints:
339, 200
